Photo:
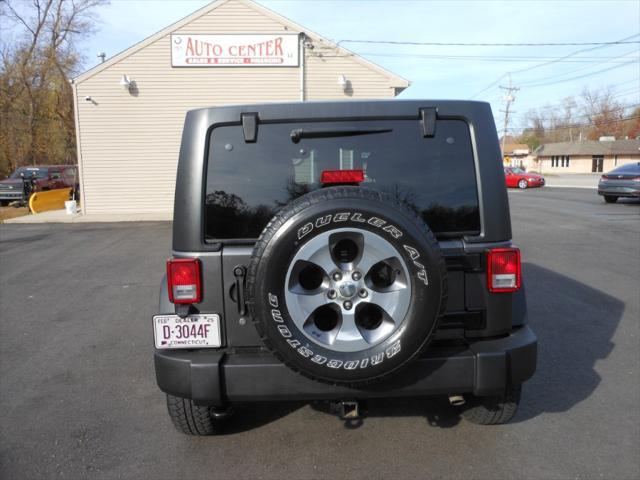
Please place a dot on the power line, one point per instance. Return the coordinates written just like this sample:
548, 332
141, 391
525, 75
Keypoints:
547, 110
548, 107
579, 77
460, 44
550, 77
551, 62
557, 106
579, 125
614, 94
477, 58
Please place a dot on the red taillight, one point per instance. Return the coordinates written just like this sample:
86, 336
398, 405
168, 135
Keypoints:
605, 176
329, 177
503, 270
183, 280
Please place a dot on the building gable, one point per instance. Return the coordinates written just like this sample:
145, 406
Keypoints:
223, 16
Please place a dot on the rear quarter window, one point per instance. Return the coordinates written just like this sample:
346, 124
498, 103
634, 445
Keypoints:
247, 183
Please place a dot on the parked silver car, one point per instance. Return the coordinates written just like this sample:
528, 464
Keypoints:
623, 181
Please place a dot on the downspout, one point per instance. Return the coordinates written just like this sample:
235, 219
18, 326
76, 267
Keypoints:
301, 42
76, 118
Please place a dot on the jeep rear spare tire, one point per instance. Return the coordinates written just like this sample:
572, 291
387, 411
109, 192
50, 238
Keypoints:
346, 285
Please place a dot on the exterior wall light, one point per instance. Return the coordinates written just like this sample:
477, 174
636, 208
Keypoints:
342, 81
125, 82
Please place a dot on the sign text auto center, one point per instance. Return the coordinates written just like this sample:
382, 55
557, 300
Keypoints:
229, 50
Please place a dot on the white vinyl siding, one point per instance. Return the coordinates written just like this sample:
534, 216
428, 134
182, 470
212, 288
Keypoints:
129, 140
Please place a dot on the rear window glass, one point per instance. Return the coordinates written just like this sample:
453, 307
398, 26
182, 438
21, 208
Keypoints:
31, 172
628, 168
247, 183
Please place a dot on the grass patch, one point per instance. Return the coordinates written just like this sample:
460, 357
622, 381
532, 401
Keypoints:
11, 212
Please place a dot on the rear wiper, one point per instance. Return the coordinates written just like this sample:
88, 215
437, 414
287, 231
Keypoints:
297, 135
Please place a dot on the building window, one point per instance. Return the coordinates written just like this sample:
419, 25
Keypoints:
597, 163
560, 161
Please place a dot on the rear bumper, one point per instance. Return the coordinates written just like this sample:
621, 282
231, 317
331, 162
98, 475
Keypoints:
619, 191
213, 377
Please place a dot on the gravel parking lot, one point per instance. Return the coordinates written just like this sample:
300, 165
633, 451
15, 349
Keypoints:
78, 395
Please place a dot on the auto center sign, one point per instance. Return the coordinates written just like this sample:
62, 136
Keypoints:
273, 50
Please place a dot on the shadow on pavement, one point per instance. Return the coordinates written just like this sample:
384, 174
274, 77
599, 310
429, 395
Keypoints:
254, 415
574, 324
436, 410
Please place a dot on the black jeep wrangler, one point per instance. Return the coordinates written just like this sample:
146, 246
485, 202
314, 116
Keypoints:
338, 252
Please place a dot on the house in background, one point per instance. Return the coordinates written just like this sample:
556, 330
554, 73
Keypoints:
586, 156
517, 155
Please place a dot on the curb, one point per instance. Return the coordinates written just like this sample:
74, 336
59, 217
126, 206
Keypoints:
571, 186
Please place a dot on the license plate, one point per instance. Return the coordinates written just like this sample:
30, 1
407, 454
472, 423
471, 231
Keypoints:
193, 331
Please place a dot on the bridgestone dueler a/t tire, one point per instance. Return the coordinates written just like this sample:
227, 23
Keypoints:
191, 419
320, 212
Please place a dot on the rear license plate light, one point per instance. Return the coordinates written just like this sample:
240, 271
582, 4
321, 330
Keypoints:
503, 270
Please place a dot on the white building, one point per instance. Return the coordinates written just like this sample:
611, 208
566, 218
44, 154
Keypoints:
130, 109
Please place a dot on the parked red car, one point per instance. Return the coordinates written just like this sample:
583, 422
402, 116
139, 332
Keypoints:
516, 177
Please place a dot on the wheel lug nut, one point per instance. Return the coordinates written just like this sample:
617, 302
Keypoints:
337, 276
332, 294
363, 293
347, 305
356, 276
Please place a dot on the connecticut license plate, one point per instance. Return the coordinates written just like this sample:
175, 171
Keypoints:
193, 331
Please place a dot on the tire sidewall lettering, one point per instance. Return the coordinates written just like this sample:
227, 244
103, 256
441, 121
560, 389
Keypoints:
302, 225
307, 352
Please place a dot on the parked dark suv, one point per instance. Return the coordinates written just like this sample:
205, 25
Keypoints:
338, 252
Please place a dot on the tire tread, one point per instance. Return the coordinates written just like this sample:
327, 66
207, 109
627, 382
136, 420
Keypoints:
189, 418
495, 410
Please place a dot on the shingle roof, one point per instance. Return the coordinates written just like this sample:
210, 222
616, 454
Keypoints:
510, 148
590, 147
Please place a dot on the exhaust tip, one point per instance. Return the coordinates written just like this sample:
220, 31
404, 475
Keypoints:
456, 400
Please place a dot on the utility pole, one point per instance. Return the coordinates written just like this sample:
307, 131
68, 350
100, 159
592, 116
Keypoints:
509, 98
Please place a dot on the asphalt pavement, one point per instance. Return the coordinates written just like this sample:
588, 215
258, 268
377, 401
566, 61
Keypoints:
78, 397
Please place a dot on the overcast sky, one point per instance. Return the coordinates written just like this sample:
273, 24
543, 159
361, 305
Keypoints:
125, 22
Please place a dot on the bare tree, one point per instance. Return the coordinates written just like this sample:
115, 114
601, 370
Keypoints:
36, 101
594, 114
604, 113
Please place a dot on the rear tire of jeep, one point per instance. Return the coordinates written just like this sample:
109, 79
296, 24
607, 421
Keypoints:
192, 419
346, 285
495, 410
